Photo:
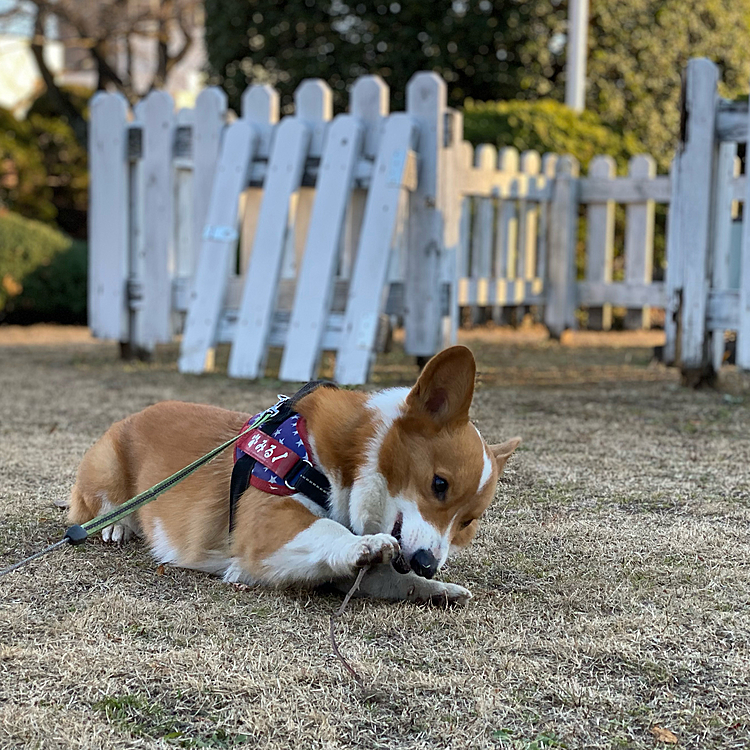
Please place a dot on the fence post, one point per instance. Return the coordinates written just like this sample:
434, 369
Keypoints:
559, 312
698, 151
600, 242
108, 218
639, 241
426, 102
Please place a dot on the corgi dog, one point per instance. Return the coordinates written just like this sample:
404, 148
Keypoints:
408, 477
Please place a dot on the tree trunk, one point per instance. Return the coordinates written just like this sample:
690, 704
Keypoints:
59, 98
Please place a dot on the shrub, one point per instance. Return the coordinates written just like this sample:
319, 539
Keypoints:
42, 273
43, 168
24, 185
546, 125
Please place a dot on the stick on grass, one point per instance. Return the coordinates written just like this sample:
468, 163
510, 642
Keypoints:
349, 668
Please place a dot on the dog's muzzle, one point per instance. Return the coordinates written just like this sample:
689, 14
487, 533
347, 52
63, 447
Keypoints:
424, 564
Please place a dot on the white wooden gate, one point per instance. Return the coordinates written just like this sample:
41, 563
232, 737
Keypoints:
307, 233
317, 206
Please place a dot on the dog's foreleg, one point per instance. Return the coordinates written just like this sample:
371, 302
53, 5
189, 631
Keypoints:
279, 541
383, 582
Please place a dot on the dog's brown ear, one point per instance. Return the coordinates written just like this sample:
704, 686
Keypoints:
503, 451
444, 390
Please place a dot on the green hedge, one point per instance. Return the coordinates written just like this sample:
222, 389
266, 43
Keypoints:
546, 126
42, 273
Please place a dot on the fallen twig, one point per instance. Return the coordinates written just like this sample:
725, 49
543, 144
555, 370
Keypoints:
339, 656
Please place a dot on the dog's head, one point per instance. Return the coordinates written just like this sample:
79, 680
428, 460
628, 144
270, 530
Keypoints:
441, 475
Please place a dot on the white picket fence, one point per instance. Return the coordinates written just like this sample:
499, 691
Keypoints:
310, 233
520, 229
708, 274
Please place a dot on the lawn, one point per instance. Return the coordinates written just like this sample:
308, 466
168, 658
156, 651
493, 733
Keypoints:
611, 577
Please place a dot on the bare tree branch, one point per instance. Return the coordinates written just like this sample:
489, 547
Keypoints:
60, 98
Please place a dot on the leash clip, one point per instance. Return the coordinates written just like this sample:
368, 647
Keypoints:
274, 410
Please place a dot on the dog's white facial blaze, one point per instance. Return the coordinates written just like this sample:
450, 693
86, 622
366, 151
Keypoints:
416, 532
370, 503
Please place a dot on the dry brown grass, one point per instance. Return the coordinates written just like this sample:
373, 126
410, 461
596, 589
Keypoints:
611, 579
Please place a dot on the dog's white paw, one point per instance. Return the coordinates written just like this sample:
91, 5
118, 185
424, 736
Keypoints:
117, 533
438, 592
374, 549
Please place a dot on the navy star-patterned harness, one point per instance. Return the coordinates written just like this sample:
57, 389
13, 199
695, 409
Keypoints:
276, 457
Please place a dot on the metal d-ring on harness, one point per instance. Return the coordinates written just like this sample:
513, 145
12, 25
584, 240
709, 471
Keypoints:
78, 534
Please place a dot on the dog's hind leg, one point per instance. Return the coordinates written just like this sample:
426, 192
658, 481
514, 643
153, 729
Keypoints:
279, 541
101, 485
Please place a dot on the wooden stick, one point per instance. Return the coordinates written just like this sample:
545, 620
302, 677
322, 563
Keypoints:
340, 612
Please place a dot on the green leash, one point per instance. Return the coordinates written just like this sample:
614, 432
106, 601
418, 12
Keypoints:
78, 534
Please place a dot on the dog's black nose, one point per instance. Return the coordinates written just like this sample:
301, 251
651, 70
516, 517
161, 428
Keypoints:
423, 563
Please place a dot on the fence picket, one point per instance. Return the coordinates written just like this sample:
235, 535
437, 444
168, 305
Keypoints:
600, 242
108, 218
368, 103
743, 329
315, 283
208, 128
481, 246
426, 97
218, 248
368, 288
153, 321
560, 309
727, 169
286, 165
639, 240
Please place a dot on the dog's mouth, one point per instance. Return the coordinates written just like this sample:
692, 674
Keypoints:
396, 531
399, 562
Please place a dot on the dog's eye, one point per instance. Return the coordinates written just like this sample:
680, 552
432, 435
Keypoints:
439, 487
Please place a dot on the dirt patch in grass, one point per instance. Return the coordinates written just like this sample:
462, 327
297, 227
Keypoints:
611, 577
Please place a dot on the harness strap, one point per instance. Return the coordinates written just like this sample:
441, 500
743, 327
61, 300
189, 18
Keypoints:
302, 477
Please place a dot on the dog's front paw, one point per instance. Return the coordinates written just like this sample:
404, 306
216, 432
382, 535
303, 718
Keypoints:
374, 549
438, 592
117, 533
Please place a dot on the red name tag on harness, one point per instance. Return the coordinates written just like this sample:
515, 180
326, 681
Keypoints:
269, 452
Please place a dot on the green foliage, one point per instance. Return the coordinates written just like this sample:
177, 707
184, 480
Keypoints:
638, 51
42, 273
43, 168
486, 49
545, 126
24, 186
